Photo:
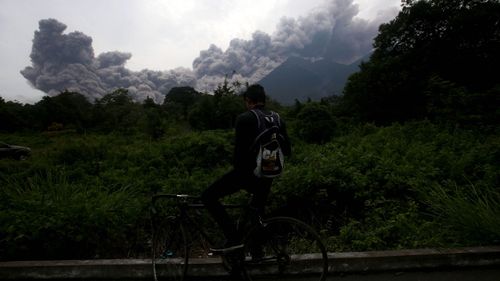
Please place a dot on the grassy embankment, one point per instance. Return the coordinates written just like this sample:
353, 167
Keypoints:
374, 188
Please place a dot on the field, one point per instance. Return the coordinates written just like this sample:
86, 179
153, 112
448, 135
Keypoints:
86, 195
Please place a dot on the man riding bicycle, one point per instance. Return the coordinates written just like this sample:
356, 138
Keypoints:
249, 126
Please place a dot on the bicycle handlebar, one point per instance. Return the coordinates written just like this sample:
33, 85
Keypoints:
181, 197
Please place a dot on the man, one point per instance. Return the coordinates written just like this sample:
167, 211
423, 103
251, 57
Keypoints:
242, 175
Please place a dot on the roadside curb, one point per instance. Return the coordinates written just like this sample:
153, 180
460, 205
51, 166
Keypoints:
340, 263
419, 259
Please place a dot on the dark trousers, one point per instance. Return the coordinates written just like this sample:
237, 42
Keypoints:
231, 183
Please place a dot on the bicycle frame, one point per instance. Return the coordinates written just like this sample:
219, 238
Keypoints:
185, 202
274, 246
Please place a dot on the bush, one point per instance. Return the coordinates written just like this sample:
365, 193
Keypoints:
401, 186
46, 217
368, 177
468, 212
315, 123
204, 150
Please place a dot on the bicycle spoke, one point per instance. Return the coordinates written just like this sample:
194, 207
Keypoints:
284, 247
170, 259
274, 249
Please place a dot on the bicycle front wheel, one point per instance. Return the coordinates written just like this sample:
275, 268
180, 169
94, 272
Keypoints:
169, 250
282, 247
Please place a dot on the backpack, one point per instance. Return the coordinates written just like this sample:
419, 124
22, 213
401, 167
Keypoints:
269, 158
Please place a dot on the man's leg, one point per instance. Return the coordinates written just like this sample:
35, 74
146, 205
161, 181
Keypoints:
225, 186
260, 189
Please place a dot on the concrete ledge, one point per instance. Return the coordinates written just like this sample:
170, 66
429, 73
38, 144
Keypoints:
353, 262
420, 259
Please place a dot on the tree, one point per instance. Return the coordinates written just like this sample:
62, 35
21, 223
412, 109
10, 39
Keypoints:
117, 111
68, 109
315, 123
455, 40
227, 104
179, 101
201, 116
14, 116
218, 111
117, 97
74, 108
152, 117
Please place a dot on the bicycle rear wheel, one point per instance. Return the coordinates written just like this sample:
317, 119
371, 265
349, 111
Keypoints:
282, 247
169, 250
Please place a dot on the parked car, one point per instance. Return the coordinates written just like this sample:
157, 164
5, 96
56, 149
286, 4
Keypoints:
14, 151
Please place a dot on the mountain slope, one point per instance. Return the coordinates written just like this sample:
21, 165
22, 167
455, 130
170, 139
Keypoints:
299, 78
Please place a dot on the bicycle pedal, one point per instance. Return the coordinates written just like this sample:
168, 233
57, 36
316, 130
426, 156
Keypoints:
167, 254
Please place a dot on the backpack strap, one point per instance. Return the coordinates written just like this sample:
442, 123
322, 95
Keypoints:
262, 126
278, 118
261, 118
257, 115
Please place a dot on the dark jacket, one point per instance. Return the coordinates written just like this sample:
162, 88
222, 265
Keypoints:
246, 131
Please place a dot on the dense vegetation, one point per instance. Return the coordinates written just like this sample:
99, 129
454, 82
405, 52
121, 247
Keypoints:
436, 59
408, 157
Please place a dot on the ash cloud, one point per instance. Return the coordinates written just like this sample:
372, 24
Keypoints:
113, 59
67, 61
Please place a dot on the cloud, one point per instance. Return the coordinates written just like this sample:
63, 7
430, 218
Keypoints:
67, 61
331, 32
113, 59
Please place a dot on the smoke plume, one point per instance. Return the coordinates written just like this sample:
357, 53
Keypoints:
67, 61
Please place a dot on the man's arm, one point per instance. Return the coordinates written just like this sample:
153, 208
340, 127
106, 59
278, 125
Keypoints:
244, 138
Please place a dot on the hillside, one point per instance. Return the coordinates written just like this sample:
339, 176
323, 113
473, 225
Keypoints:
299, 78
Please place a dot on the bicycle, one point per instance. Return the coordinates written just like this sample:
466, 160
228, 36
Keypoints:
275, 247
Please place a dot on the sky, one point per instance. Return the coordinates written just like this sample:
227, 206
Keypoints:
163, 35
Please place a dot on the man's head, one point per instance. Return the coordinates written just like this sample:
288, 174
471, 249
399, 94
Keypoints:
254, 95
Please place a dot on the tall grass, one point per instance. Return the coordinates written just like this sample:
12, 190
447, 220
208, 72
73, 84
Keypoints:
46, 216
468, 211
372, 188
384, 187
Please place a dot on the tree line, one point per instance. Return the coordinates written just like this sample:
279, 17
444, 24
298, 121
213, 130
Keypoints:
435, 60
117, 111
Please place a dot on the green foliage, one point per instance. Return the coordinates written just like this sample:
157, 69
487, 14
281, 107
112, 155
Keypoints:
374, 188
434, 53
154, 126
179, 100
91, 193
377, 182
14, 116
68, 108
117, 112
201, 116
183, 109
44, 215
218, 111
390, 224
315, 123
468, 211
203, 150
421, 184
